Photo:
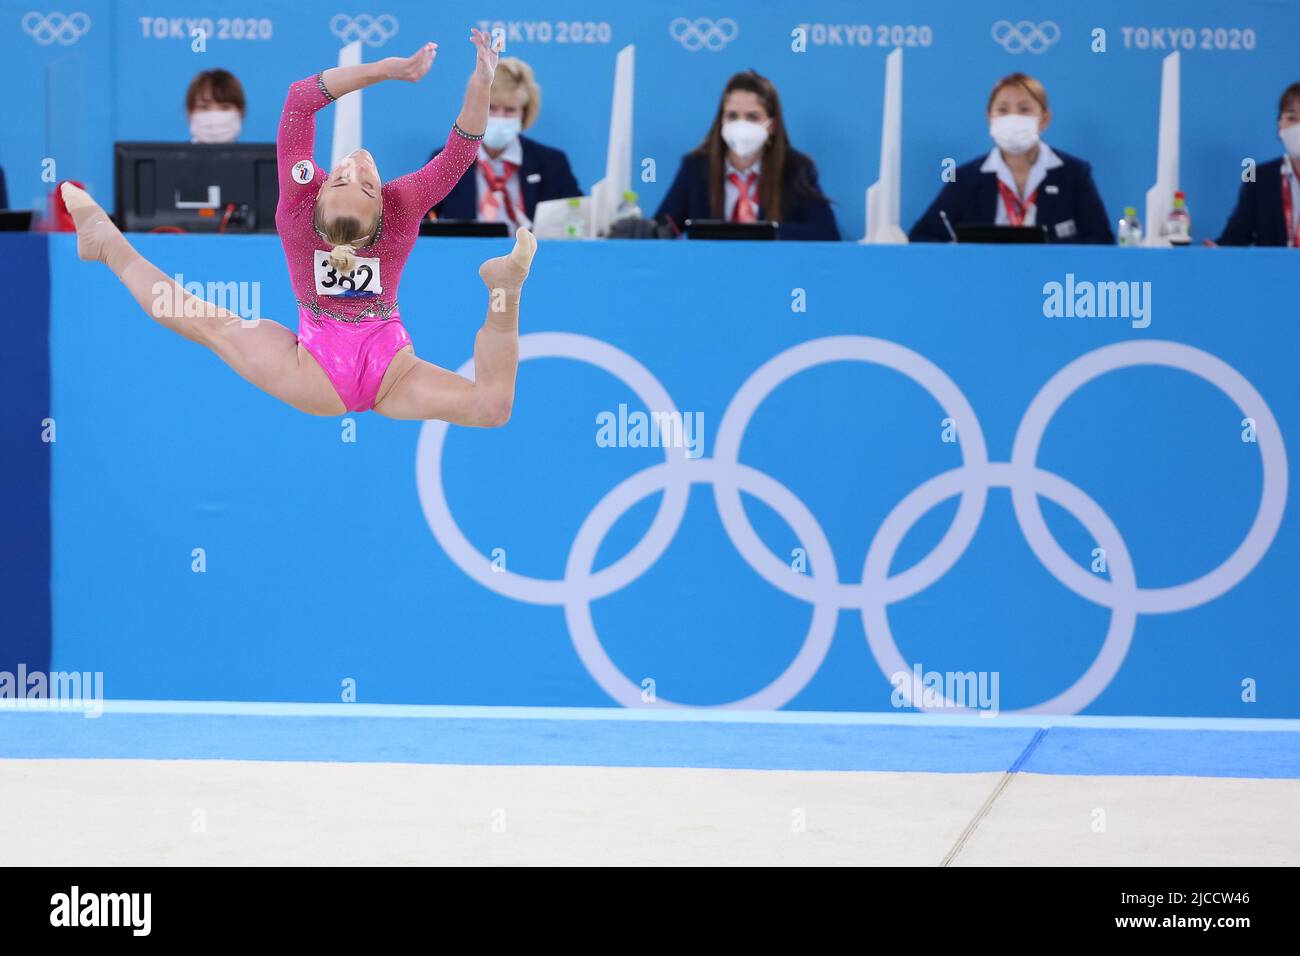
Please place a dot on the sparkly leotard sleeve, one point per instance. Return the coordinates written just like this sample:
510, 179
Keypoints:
405, 201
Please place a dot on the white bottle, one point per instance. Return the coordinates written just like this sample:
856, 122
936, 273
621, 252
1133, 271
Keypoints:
575, 223
1130, 229
628, 208
1178, 227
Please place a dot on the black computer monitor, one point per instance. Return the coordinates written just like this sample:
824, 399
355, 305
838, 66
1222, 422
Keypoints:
15, 220
190, 186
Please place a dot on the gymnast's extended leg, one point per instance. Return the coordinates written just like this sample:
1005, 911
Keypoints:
415, 389
263, 352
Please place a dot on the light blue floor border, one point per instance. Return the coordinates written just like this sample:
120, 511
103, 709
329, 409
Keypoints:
687, 714
615, 737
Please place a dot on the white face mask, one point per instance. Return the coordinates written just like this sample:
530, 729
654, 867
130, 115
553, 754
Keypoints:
744, 138
1291, 140
214, 126
1014, 133
501, 131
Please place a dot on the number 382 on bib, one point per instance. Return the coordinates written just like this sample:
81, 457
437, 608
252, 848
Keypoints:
363, 280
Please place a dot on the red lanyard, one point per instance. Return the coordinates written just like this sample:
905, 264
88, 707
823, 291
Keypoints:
1292, 239
497, 184
1014, 207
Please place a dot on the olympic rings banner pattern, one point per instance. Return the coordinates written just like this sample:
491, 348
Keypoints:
888, 461
88, 73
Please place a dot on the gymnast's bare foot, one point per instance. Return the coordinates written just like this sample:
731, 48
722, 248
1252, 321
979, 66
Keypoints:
98, 239
509, 272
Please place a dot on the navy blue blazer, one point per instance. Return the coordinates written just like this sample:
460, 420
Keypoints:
802, 217
972, 198
1257, 219
544, 174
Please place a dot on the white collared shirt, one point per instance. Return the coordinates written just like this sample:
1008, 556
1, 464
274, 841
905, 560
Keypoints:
732, 193
994, 163
514, 153
1292, 182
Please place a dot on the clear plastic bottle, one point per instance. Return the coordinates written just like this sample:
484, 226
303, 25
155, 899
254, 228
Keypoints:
1130, 229
1178, 227
575, 225
628, 208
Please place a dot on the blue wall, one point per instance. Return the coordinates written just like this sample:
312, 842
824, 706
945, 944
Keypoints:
322, 565
25, 475
121, 80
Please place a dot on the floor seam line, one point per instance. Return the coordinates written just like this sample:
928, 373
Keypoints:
992, 798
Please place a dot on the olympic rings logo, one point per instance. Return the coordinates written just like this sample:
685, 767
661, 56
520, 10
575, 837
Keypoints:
703, 34
372, 31
1026, 36
56, 27
876, 589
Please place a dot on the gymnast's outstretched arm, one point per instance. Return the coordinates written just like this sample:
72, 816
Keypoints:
295, 140
474, 111
341, 80
417, 192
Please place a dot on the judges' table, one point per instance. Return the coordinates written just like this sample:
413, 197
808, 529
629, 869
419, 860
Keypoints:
815, 476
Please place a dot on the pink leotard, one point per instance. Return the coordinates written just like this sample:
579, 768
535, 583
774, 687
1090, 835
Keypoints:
353, 337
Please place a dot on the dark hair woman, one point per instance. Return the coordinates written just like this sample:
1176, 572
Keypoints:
216, 106
746, 169
1022, 181
1268, 207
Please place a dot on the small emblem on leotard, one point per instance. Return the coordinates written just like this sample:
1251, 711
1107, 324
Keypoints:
303, 171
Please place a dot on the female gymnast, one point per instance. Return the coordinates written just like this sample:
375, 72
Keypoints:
346, 237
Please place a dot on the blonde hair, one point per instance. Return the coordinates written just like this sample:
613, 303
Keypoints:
1024, 81
344, 234
514, 74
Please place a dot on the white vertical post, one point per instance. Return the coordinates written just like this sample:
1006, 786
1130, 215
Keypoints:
347, 111
608, 193
1160, 197
883, 195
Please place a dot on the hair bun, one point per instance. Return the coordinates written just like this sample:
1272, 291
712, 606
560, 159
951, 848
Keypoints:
343, 257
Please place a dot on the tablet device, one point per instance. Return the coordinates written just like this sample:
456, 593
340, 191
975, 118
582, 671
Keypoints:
970, 232
721, 229
463, 227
